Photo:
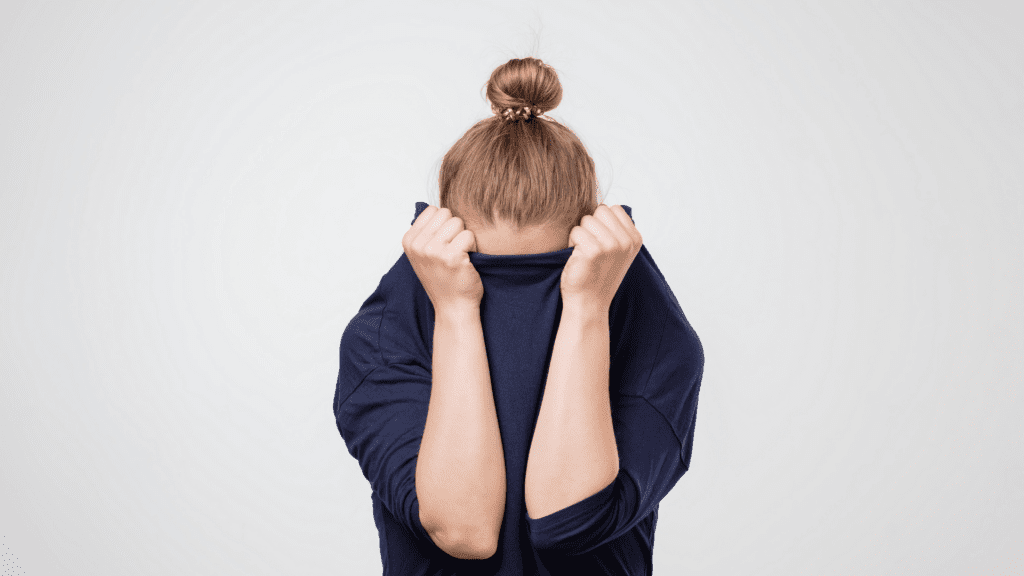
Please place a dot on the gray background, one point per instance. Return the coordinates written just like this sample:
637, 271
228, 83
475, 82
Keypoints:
196, 198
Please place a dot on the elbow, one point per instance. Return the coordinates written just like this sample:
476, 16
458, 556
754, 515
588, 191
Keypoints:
464, 533
466, 538
479, 548
466, 544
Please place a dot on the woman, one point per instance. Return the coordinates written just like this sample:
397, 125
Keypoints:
521, 389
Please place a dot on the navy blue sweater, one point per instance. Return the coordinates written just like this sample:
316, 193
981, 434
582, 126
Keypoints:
383, 391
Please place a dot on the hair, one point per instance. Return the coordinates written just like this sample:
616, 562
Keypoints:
517, 166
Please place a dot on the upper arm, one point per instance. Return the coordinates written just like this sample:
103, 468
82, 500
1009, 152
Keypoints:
381, 402
382, 422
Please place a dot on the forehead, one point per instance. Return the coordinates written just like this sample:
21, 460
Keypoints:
474, 222
507, 227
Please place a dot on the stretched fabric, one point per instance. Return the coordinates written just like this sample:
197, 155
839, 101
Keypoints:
383, 392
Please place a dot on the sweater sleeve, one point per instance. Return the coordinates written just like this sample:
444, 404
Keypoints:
380, 408
382, 423
649, 466
654, 437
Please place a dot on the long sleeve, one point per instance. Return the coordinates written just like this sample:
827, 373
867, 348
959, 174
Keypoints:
380, 407
649, 466
654, 424
382, 422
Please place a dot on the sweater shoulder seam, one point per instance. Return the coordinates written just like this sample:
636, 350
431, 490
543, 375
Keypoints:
356, 387
663, 417
383, 312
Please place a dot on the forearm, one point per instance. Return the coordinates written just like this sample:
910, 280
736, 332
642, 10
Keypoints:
573, 454
460, 472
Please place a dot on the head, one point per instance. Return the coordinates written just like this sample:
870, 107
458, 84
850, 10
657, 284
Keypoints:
519, 181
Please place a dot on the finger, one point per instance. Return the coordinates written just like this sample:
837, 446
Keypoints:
419, 224
624, 218
449, 229
582, 240
608, 216
464, 241
627, 223
602, 235
424, 218
427, 234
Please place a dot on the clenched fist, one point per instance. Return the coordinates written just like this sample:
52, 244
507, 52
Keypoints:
438, 246
605, 245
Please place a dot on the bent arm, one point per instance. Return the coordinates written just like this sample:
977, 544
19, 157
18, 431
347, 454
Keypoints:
460, 470
573, 454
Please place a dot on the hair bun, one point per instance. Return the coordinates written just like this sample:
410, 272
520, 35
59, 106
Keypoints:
523, 88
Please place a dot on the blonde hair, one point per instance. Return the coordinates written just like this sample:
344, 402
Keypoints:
518, 166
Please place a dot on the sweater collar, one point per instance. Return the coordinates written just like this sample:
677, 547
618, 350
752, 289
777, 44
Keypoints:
556, 259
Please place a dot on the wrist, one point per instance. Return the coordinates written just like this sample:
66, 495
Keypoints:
584, 310
457, 310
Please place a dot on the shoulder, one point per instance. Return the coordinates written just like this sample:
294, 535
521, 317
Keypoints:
395, 325
648, 327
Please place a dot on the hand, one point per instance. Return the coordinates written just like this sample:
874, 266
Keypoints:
605, 245
438, 246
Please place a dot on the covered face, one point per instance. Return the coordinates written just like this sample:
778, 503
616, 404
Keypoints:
504, 238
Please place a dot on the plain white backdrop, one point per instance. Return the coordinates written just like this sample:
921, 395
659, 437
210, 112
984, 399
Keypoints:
196, 198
